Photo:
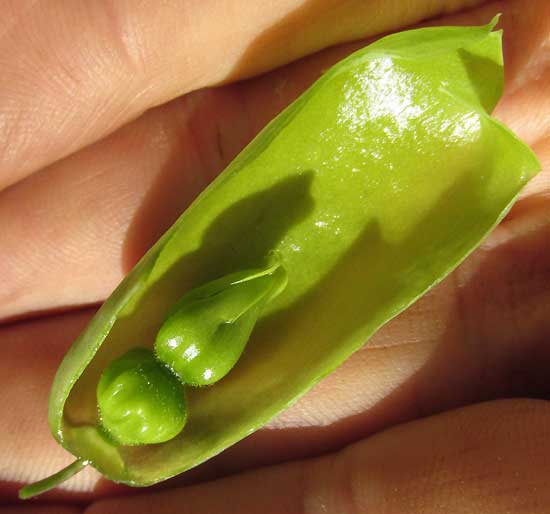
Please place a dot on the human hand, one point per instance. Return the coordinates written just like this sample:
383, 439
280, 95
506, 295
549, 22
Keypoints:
479, 336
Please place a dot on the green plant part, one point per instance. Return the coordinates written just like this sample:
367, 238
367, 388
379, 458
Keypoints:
370, 188
205, 334
50, 482
139, 400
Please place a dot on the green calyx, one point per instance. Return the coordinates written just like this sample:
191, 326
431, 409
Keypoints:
370, 189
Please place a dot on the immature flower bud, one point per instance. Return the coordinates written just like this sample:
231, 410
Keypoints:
209, 327
140, 401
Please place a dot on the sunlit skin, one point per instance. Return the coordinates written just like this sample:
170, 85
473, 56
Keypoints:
71, 232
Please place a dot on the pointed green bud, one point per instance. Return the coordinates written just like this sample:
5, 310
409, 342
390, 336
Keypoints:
207, 331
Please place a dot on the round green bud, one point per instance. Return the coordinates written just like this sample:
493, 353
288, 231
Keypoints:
140, 401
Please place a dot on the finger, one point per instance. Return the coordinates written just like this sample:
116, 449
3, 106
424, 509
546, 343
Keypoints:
479, 335
489, 458
74, 71
537, 190
527, 70
92, 226
29, 357
89, 227
41, 509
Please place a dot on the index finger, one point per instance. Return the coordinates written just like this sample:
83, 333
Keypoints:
73, 72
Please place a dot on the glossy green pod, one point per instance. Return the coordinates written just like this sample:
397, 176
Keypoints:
370, 188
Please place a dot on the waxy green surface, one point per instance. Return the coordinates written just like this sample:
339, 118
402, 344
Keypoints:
208, 329
369, 189
139, 400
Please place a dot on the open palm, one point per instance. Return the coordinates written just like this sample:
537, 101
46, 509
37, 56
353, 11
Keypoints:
102, 146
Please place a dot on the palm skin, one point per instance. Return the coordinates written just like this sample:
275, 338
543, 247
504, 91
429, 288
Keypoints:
414, 422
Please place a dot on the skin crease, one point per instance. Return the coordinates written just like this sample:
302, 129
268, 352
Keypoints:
412, 423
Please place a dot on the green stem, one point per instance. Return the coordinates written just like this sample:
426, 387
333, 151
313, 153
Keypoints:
53, 480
